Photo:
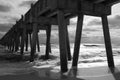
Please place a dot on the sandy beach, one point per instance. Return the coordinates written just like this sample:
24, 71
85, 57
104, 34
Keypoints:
90, 67
96, 73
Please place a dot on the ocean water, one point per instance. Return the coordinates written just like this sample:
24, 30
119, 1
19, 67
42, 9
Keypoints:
90, 55
86, 50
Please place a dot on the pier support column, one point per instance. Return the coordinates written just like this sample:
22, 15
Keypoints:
23, 41
50, 50
12, 46
48, 33
38, 44
62, 41
68, 44
77, 40
33, 42
107, 41
30, 38
17, 42
26, 41
10, 41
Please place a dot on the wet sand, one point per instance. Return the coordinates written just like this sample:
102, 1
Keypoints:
95, 73
29, 71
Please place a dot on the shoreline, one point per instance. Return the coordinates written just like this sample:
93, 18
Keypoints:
49, 73
89, 68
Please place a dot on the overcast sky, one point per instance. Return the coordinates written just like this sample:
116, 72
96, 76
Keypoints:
11, 10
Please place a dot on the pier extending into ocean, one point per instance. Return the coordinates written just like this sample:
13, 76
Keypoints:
45, 13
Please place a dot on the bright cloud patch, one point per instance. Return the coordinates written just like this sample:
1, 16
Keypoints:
114, 22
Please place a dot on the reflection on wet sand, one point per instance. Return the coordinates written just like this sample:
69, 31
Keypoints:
50, 70
96, 73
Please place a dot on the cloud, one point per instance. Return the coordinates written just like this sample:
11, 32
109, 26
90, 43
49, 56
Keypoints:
5, 8
94, 22
73, 21
2, 34
27, 3
90, 29
13, 19
5, 27
8, 19
114, 22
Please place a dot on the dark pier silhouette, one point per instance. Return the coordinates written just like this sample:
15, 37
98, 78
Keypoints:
45, 13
